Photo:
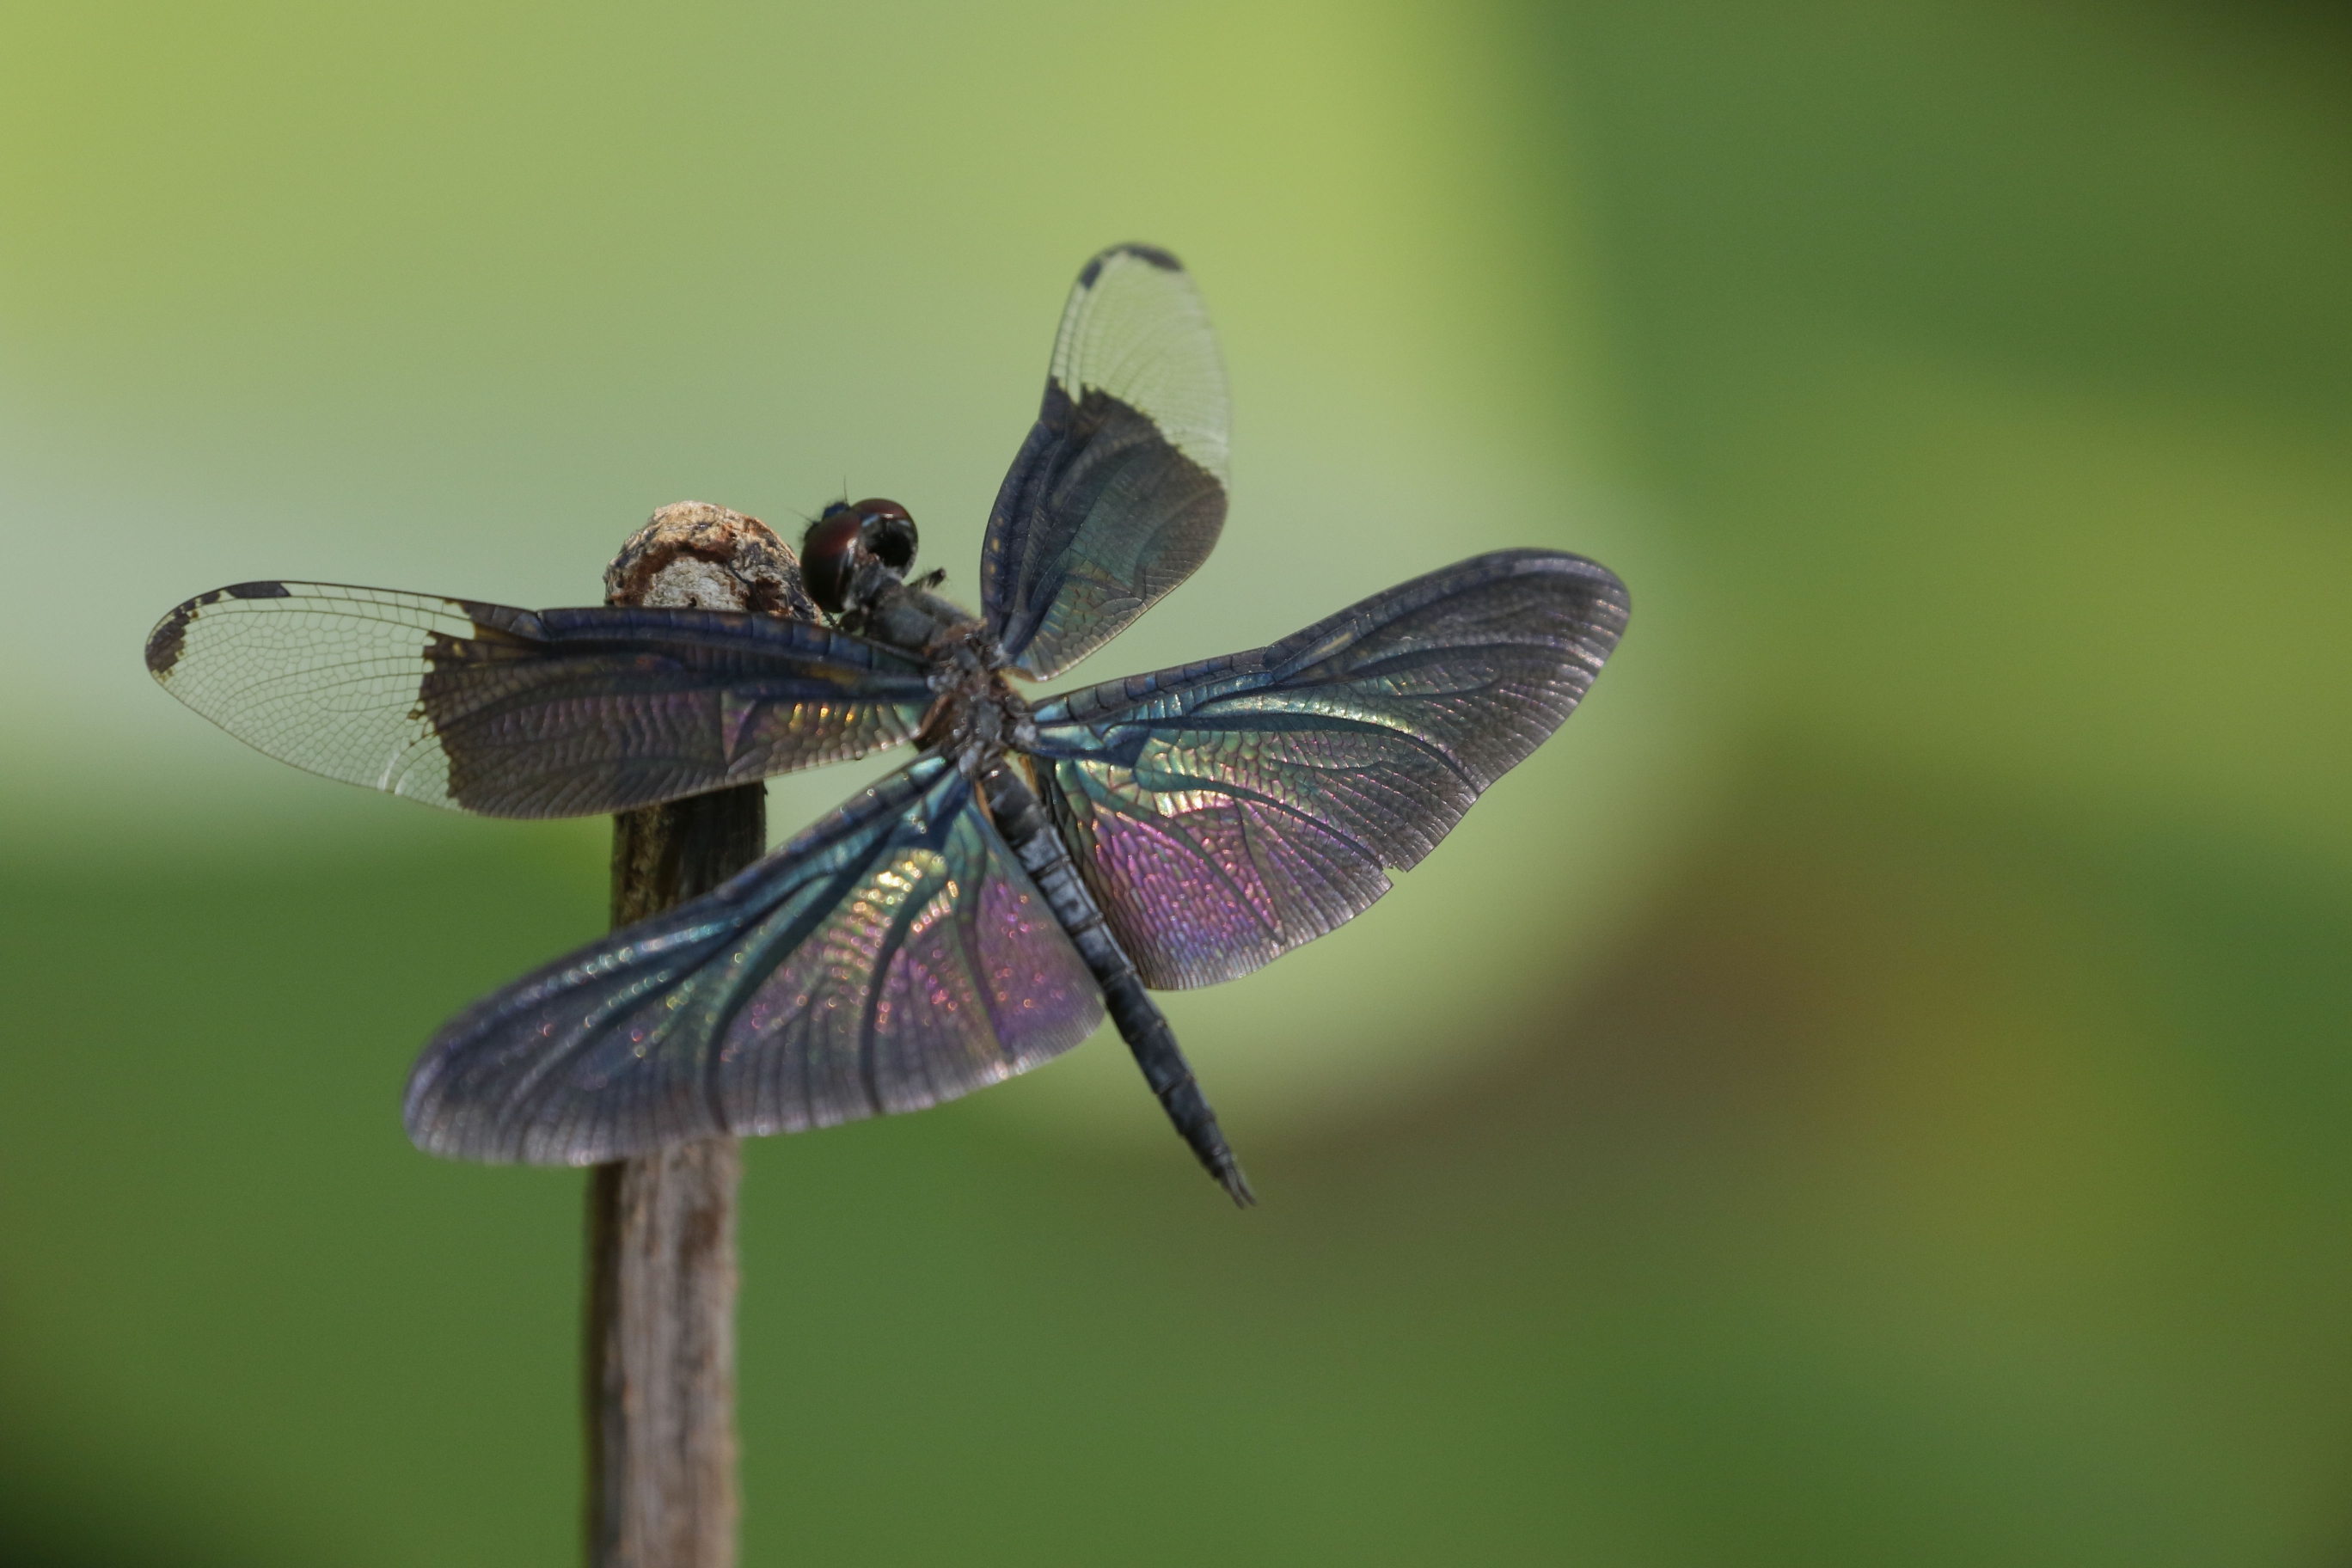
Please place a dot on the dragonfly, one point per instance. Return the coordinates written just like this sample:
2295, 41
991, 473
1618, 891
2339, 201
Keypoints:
1041, 863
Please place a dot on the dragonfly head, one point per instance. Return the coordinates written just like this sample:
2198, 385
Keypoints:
849, 535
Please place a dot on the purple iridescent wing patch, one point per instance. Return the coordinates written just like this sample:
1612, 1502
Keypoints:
1119, 490
510, 712
892, 956
1225, 812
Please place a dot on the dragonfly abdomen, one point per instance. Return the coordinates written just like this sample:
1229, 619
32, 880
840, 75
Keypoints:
1028, 832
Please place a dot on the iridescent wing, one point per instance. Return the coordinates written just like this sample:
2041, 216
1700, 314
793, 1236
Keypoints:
513, 713
1119, 490
1225, 812
892, 956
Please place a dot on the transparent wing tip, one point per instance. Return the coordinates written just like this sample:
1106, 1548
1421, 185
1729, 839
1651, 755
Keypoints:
170, 637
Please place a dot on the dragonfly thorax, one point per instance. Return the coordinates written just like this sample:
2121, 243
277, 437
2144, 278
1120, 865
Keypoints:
976, 714
856, 557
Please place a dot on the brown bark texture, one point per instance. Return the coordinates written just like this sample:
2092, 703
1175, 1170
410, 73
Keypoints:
660, 1351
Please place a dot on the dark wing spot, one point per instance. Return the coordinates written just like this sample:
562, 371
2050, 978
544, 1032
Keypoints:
164, 642
1163, 259
258, 591
169, 639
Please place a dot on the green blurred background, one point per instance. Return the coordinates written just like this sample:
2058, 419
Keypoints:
1873, 1090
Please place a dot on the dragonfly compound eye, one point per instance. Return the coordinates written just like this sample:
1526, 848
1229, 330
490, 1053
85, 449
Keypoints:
829, 556
889, 532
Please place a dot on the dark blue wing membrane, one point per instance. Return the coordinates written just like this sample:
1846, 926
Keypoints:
892, 956
1225, 812
1119, 490
509, 712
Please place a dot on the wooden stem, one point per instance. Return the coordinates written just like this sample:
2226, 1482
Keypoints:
660, 1351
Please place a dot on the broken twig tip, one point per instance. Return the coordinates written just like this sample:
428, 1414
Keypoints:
693, 556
